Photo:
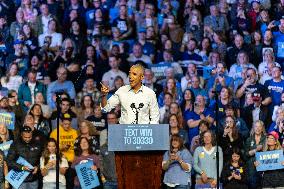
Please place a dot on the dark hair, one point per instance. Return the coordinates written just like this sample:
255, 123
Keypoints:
46, 154
80, 151
41, 117
182, 105
82, 102
237, 151
213, 138
179, 139
203, 122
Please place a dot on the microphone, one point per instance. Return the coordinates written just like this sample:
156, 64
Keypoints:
141, 105
133, 105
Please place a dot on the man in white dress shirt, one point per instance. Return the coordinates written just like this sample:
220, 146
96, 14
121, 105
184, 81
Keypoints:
138, 103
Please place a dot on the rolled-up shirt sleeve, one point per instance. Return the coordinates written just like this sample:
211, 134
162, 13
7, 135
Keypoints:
154, 110
112, 102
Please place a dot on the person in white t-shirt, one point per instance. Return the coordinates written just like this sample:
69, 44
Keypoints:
48, 166
108, 77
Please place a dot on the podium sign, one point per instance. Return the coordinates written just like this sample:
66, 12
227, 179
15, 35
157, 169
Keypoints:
136, 137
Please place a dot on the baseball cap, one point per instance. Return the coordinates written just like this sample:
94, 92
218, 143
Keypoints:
274, 134
17, 41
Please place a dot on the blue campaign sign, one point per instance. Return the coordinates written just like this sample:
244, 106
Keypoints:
138, 137
16, 178
207, 186
8, 119
88, 177
5, 146
159, 69
269, 160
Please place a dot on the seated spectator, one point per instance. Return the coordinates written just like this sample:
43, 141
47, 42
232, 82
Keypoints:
87, 130
48, 166
12, 80
194, 85
234, 174
5, 134
38, 67
56, 38
275, 85
205, 162
17, 24
220, 79
168, 60
148, 47
108, 77
41, 123
41, 24
237, 47
242, 63
137, 54
251, 85
188, 100
189, 55
216, 21
59, 86
30, 40
39, 99
98, 119
190, 72
265, 67
173, 90
177, 163
28, 90
18, 57
150, 81
164, 110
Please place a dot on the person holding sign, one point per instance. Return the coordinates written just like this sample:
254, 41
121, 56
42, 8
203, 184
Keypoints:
85, 155
138, 102
272, 178
30, 151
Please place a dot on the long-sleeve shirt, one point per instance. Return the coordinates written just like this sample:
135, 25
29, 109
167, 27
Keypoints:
206, 161
136, 108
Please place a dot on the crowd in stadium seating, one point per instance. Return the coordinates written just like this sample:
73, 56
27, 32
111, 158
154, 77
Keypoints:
215, 66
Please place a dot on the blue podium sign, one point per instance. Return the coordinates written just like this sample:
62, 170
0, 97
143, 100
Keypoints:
138, 137
269, 160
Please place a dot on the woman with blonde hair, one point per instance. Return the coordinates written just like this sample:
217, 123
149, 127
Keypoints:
87, 130
254, 144
272, 178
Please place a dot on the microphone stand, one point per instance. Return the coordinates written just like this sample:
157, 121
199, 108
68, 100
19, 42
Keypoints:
58, 101
217, 134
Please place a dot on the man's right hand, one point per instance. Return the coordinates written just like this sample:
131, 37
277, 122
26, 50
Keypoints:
104, 89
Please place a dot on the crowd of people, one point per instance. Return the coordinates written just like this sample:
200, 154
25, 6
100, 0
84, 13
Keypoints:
215, 66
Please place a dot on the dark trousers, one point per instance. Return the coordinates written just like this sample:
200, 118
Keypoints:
70, 175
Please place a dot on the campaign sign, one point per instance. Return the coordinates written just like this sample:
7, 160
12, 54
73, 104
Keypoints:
88, 177
16, 178
269, 160
5, 146
159, 69
138, 137
8, 119
207, 186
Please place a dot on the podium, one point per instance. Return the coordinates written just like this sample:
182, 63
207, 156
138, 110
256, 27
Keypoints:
139, 153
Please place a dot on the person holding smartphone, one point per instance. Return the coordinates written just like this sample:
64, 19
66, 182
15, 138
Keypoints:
234, 174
